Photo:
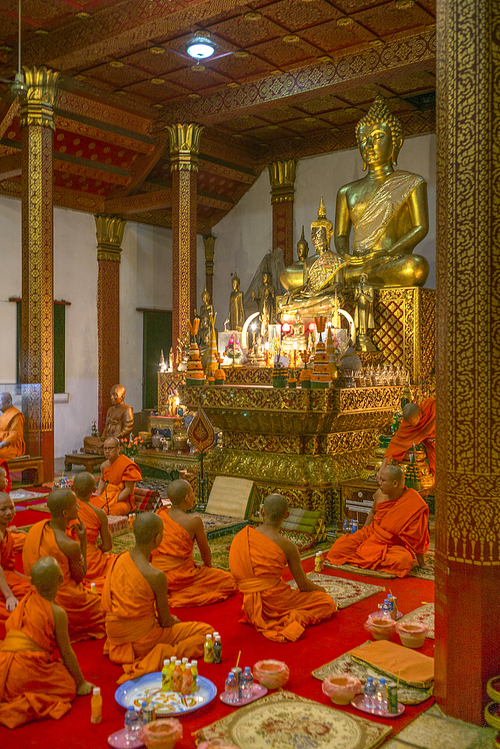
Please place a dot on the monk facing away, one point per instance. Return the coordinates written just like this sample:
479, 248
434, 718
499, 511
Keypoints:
257, 559
395, 530
95, 521
117, 482
188, 584
418, 425
34, 681
48, 539
13, 586
141, 630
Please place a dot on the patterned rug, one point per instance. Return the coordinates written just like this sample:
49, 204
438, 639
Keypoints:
415, 572
343, 592
285, 721
424, 615
344, 664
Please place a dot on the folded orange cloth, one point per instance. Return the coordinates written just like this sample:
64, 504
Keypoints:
413, 668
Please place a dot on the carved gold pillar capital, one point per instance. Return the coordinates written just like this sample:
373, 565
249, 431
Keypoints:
209, 242
184, 146
282, 178
109, 234
37, 106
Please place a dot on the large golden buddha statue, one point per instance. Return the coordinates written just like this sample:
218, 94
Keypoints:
387, 209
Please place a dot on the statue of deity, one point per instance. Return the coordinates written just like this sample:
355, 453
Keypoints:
119, 422
363, 314
293, 276
257, 356
204, 334
387, 209
236, 308
266, 300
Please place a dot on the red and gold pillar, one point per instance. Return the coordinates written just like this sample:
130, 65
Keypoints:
37, 135
282, 177
184, 150
109, 234
468, 356
209, 242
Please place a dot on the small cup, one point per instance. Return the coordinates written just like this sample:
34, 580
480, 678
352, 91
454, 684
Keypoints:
161, 734
412, 633
341, 688
271, 674
380, 627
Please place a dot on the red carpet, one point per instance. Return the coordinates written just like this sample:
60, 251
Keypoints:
317, 646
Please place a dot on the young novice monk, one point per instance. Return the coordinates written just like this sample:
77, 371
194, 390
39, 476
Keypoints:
95, 521
188, 584
48, 538
141, 630
13, 586
33, 682
257, 559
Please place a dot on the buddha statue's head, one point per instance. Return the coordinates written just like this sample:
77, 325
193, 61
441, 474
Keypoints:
236, 281
321, 230
205, 297
266, 277
117, 394
302, 247
379, 135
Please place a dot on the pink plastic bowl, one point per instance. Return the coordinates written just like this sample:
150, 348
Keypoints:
161, 734
380, 628
341, 688
216, 744
271, 674
412, 633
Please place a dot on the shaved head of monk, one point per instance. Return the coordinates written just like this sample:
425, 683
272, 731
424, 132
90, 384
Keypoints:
62, 500
46, 576
412, 414
3, 479
83, 484
275, 508
7, 509
391, 481
178, 490
147, 527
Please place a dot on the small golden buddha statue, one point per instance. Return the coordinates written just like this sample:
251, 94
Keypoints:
236, 308
363, 314
387, 209
266, 301
204, 334
293, 276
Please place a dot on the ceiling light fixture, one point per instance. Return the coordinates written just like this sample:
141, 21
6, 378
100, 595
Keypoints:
200, 48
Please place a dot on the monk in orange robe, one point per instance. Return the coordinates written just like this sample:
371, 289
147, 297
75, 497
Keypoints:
395, 530
188, 584
418, 425
11, 429
141, 630
34, 682
95, 521
5, 479
48, 539
13, 586
117, 482
257, 559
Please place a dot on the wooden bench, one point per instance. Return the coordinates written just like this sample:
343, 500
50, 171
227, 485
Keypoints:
88, 460
24, 462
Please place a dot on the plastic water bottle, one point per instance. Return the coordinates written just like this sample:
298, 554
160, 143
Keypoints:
354, 526
381, 695
133, 724
349, 529
246, 684
232, 689
217, 649
345, 527
369, 694
386, 609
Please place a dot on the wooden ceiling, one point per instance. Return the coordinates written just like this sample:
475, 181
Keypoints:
289, 79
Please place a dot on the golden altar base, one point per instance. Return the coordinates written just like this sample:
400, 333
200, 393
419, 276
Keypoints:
297, 442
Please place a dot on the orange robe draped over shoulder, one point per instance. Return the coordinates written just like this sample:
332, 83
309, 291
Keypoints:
123, 469
19, 585
274, 609
188, 584
97, 562
85, 618
135, 638
398, 529
5, 466
11, 431
424, 432
33, 684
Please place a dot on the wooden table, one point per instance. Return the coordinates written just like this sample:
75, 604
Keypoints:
88, 460
356, 499
25, 462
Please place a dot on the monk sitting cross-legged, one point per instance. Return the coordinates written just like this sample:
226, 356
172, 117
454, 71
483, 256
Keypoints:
13, 586
257, 559
188, 584
34, 683
117, 482
95, 521
141, 630
418, 425
395, 530
48, 538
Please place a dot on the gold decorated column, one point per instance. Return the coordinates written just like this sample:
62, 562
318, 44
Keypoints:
282, 177
184, 150
468, 357
109, 234
37, 135
209, 242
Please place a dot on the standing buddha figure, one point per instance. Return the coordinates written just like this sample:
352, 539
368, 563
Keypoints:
236, 308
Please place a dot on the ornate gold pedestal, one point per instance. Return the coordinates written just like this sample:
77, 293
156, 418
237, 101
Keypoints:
296, 442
